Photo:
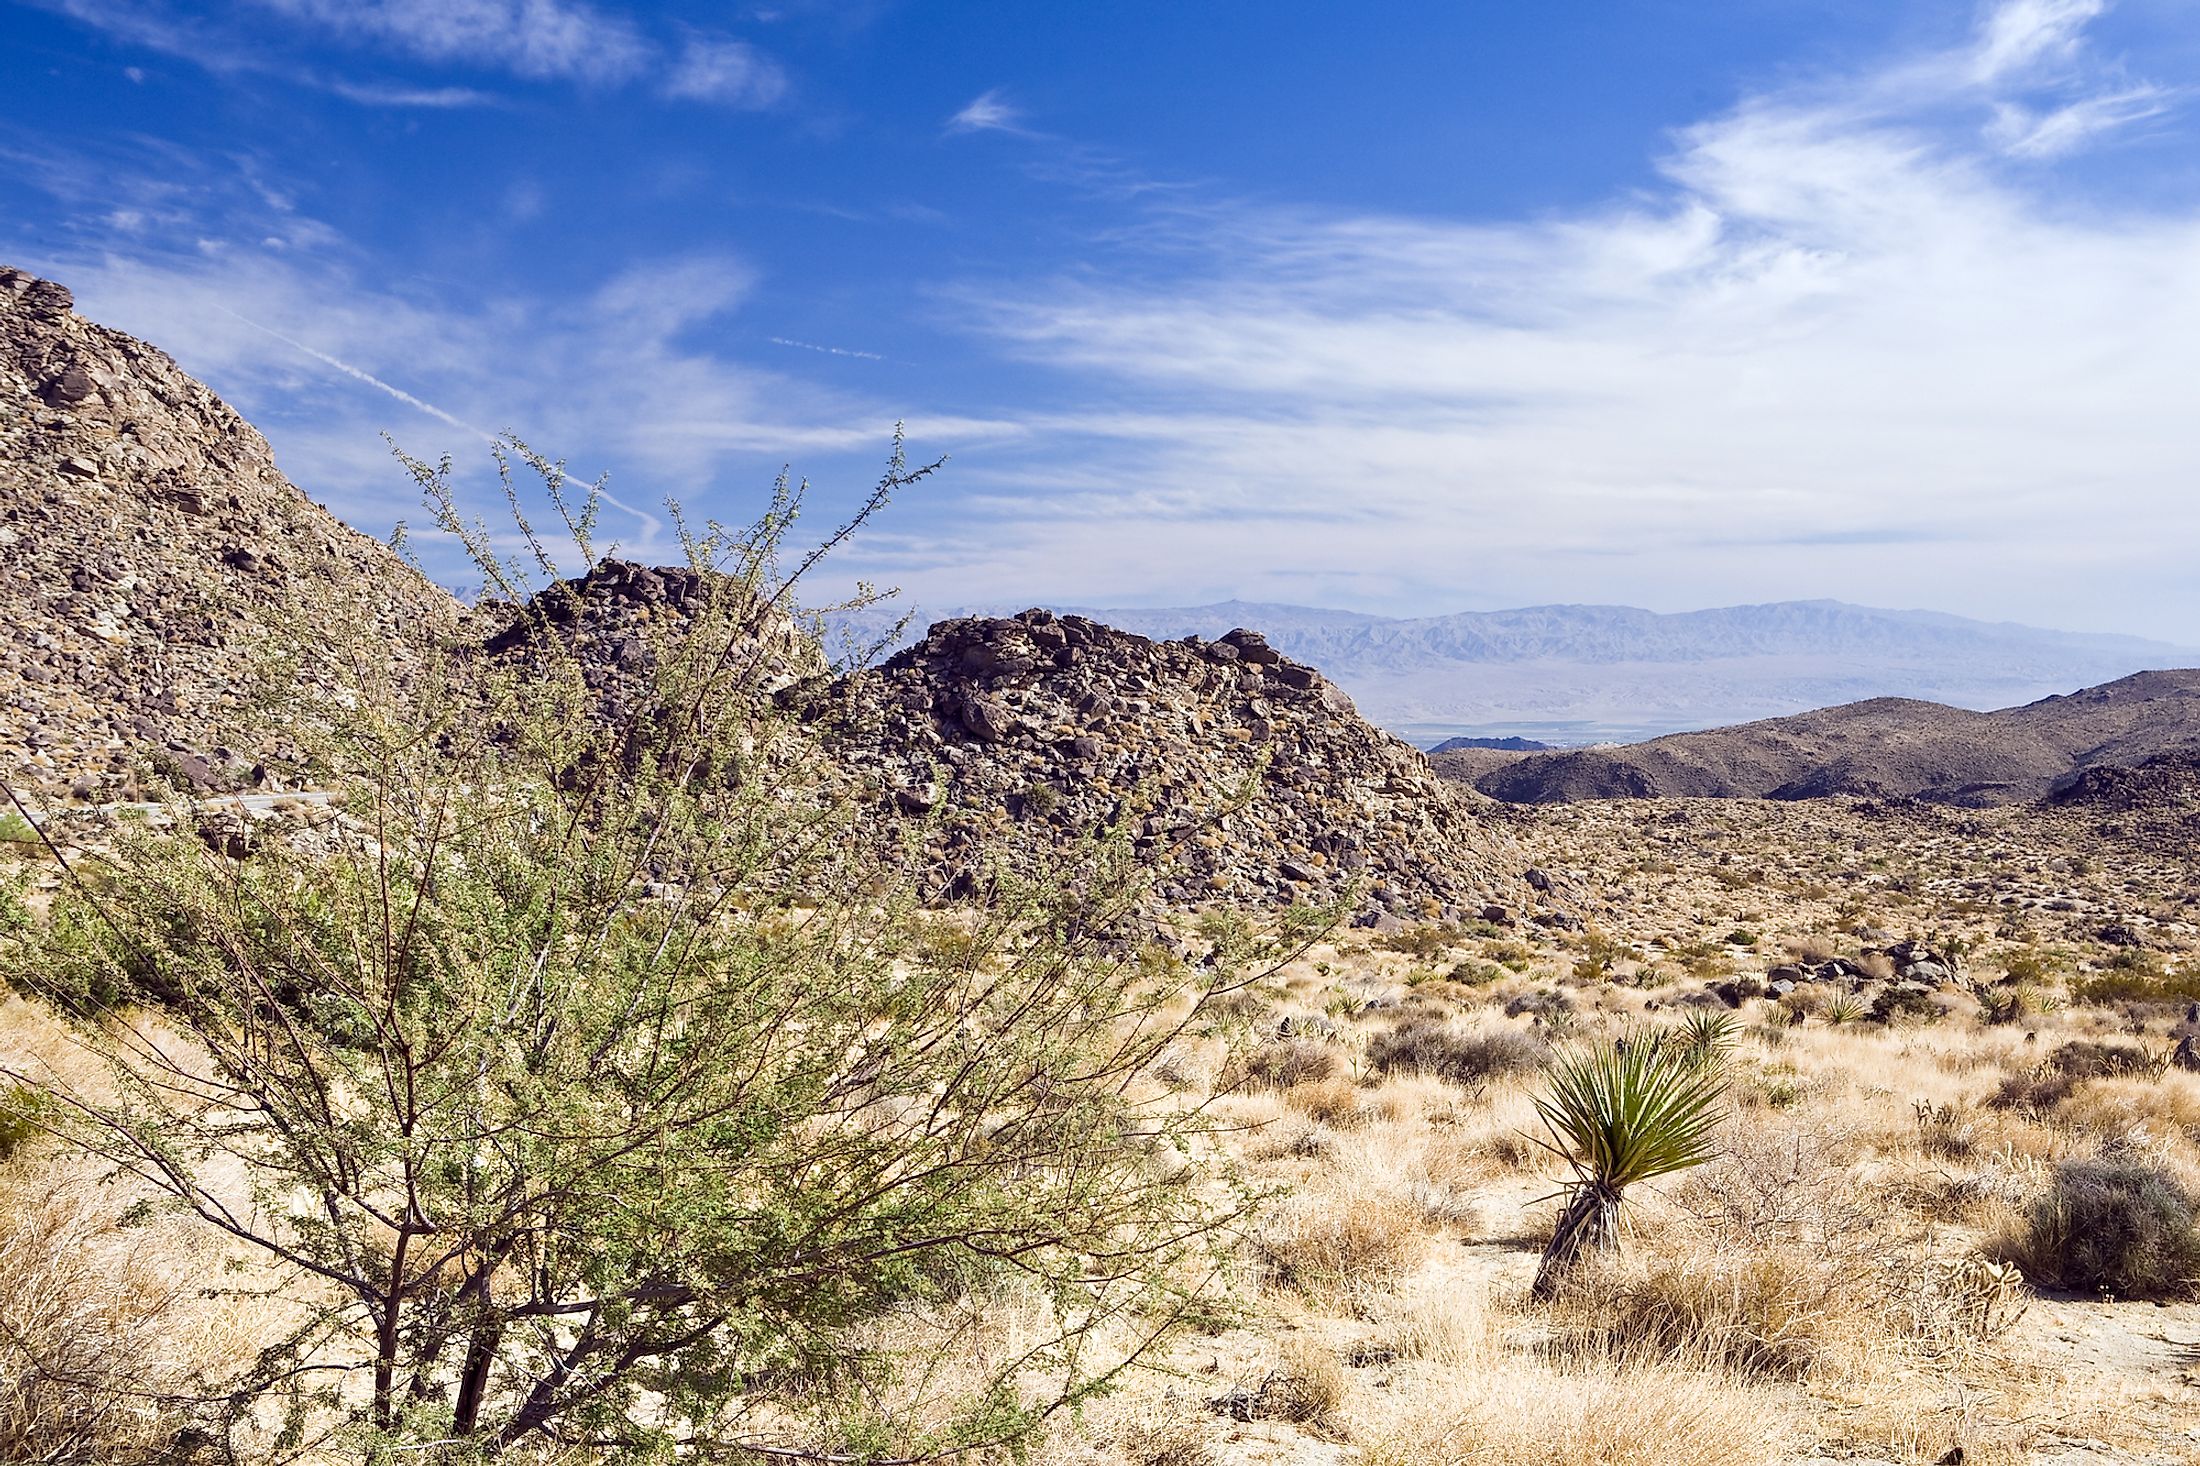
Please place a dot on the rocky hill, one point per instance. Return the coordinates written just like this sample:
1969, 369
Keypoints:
1576, 674
2167, 782
148, 548
1254, 769
1889, 747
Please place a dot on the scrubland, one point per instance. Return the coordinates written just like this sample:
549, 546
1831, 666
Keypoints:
1961, 1231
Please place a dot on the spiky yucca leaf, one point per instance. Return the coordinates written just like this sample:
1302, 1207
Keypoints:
1619, 1115
1708, 1038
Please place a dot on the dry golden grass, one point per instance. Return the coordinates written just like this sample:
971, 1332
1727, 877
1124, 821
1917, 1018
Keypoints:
1341, 1240
106, 1342
1496, 1408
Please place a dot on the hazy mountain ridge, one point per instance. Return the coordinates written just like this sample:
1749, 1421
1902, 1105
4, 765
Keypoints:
1587, 673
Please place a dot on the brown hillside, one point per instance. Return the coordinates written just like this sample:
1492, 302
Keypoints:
148, 547
1890, 747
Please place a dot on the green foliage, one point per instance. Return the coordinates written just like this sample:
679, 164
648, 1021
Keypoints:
16, 830
1475, 974
2144, 981
1620, 1114
22, 1118
597, 1076
1844, 1008
1427, 941
1707, 1037
1896, 1003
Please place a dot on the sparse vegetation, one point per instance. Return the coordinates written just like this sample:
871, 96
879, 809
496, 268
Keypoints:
2119, 1227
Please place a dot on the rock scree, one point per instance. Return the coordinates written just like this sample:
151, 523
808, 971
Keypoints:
1254, 772
148, 548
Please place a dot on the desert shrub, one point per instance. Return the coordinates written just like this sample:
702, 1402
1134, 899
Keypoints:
1548, 1004
1898, 1003
2028, 965
1774, 1312
1282, 1063
1943, 1133
1516, 956
1812, 949
2032, 1091
2042, 1088
1330, 1102
602, 1064
1426, 941
2109, 1225
2144, 985
2089, 1059
1473, 974
1461, 1056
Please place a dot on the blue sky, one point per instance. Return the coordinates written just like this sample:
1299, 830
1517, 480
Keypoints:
1405, 307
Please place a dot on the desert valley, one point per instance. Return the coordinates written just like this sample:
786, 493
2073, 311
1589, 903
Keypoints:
1927, 973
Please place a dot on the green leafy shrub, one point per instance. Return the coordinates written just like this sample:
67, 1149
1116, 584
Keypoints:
22, 1118
601, 1078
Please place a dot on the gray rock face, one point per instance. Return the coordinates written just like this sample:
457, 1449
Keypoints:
1245, 776
148, 548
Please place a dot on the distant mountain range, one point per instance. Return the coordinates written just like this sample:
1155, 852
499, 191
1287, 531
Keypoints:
2130, 738
1575, 675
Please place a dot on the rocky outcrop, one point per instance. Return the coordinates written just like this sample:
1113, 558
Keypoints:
2168, 782
149, 549
1248, 776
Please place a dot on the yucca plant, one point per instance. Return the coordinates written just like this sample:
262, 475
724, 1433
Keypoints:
1844, 1008
1707, 1038
1618, 1114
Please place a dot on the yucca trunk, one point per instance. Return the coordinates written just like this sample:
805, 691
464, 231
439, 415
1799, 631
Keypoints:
1589, 1223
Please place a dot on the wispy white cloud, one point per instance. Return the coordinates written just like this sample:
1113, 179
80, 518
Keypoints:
729, 73
2020, 34
988, 112
827, 350
534, 40
541, 39
2057, 132
386, 94
1847, 347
